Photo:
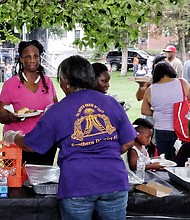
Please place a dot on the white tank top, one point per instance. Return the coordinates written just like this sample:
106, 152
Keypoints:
163, 97
146, 157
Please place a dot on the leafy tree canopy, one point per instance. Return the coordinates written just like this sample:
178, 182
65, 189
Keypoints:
104, 22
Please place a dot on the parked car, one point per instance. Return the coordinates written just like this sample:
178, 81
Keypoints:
114, 58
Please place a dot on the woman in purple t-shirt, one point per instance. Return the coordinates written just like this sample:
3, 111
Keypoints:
92, 131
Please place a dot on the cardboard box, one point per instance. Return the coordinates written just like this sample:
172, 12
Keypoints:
154, 189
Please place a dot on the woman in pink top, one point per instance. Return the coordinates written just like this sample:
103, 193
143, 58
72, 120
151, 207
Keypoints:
29, 88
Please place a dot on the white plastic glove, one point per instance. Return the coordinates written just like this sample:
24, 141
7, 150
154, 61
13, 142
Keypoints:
9, 137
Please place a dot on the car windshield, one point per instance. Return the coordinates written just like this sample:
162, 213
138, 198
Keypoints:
143, 53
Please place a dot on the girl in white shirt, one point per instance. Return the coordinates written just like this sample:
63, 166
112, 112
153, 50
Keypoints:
145, 131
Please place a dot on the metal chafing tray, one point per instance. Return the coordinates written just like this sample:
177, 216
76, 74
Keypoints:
46, 189
180, 175
42, 178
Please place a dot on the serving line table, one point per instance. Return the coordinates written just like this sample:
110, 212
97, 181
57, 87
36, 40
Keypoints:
24, 204
145, 206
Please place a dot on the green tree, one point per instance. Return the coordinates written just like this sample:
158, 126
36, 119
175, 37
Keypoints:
104, 22
176, 21
179, 18
118, 23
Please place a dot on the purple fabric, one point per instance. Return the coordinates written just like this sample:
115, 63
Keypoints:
90, 128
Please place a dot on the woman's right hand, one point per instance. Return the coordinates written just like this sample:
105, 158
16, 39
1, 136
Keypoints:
10, 117
14, 118
143, 86
7, 117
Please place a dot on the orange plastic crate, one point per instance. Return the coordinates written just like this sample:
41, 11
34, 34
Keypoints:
11, 163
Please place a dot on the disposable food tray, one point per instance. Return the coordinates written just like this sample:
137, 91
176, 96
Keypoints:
43, 178
40, 174
50, 188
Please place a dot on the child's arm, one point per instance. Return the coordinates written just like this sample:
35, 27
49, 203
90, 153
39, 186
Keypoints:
132, 159
154, 166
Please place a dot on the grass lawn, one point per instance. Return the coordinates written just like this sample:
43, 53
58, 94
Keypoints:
126, 90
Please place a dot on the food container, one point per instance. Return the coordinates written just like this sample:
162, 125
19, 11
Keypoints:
44, 189
180, 175
43, 179
39, 174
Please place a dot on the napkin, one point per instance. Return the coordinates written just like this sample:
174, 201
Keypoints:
9, 108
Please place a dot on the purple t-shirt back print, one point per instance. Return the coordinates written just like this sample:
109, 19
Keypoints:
90, 128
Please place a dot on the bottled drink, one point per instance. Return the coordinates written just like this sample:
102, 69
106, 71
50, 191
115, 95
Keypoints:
187, 164
140, 172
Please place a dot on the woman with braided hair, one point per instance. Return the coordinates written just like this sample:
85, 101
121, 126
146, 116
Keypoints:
37, 68
29, 88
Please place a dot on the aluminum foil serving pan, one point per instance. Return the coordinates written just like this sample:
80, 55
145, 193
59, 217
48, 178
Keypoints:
47, 189
39, 174
180, 175
43, 179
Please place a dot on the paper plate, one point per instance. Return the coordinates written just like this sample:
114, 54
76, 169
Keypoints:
142, 79
165, 163
31, 114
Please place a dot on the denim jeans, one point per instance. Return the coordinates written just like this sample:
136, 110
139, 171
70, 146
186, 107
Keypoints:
136, 67
165, 141
111, 206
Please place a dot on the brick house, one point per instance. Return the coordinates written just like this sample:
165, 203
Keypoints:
155, 41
